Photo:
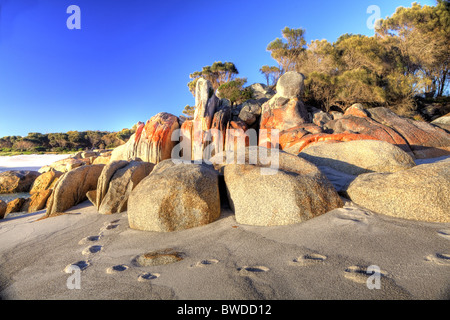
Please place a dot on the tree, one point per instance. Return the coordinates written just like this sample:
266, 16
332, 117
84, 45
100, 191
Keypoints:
234, 91
271, 73
422, 35
188, 112
288, 50
217, 74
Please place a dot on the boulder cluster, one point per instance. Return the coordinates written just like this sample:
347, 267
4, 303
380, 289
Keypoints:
40, 184
272, 160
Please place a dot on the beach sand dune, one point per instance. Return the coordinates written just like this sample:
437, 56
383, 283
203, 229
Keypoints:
328, 257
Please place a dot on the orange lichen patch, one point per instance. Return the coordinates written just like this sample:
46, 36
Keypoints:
371, 128
239, 125
357, 111
292, 136
186, 129
331, 137
157, 128
283, 115
139, 131
235, 135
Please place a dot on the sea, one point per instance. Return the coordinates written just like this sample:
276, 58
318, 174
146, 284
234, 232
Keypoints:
29, 162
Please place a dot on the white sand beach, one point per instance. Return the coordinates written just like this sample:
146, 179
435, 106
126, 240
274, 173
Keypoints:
32, 162
324, 258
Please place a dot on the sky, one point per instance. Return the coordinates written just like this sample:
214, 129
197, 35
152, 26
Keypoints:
131, 59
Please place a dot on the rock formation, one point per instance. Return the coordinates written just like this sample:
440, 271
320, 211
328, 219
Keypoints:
358, 156
120, 186
175, 197
17, 181
152, 142
3, 207
294, 192
72, 187
420, 193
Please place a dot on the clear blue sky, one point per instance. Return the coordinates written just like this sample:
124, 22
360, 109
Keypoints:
132, 59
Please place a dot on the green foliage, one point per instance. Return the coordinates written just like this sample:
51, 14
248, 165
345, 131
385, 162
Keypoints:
288, 50
36, 142
218, 73
409, 56
188, 112
271, 73
234, 91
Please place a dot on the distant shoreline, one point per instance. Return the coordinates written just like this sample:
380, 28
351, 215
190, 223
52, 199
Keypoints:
30, 162
21, 153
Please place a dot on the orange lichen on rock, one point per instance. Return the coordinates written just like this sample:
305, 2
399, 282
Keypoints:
139, 131
325, 137
292, 136
356, 110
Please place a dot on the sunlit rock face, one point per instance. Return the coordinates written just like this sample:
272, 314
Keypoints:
152, 141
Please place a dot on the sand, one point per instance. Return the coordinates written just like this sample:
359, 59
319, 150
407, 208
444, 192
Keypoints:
327, 257
324, 258
32, 162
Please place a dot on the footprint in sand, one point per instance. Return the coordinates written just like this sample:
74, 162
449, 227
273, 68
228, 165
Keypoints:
91, 249
444, 233
110, 225
204, 263
309, 259
117, 269
249, 270
89, 239
148, 276
82, 265
439, 258
360, 274
357, 217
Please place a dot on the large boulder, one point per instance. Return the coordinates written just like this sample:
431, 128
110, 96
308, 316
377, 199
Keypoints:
15, 205
297, 145
72, 187
356, 110
284, 110
292, 192
358, 156
175, 197
65, 165
424, 139
250, 111
206, 104
443, 122
37, 201
261, 92
290, 138
368, 127
152, 141
105, 178
290, 85
3, 207
122, 183
17, 181
420, 193
45, 181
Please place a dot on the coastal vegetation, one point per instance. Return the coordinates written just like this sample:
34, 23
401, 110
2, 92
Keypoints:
70, 141
405, 66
